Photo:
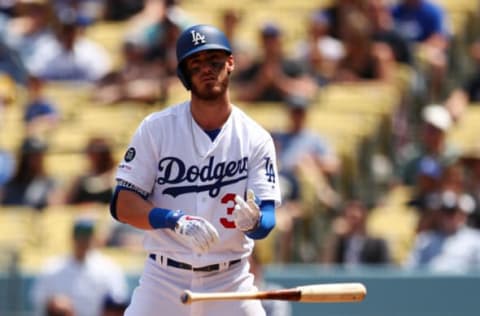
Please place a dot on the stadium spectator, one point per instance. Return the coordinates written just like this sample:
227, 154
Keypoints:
121, 10
30, 32
162, 49
452, 246
135, 80
8, 91
31, 185
85, 276
7, 167
140, 25
383, 30
40, 114
425, 191
467, 93
273, 77
149, 25
231, 25
96, 184
271, 307
88, 11
302, 150
11, 65
320, 51
424, 24
436, 121
59, 305
307, 166
470, 159
364, 59
73, 57
462, 97
351, 243
433, 179
336, 12
113, 306
7, 97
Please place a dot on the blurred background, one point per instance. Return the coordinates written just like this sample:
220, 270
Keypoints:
373, 106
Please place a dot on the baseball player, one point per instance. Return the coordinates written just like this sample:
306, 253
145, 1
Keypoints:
200, 178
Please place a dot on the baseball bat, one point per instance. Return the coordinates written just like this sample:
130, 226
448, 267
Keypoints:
315, 293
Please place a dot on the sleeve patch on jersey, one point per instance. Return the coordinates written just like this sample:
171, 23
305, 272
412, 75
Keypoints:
269, 170
130, 154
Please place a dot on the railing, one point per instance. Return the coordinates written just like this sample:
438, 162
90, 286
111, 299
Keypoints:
391, 291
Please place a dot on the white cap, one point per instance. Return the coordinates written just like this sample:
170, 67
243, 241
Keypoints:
438, 116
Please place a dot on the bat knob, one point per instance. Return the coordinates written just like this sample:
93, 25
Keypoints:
186, 297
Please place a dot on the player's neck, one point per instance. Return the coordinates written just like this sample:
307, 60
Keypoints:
210, 115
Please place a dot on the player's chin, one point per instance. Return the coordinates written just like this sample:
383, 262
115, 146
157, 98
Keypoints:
210, 90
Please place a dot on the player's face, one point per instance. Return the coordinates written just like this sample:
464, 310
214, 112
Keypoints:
209, 71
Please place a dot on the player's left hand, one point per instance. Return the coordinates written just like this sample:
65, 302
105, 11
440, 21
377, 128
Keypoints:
246, 213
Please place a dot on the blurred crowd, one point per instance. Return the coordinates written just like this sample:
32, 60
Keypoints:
345, 42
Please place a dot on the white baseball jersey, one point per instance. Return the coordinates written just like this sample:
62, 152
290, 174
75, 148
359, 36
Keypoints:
177, 163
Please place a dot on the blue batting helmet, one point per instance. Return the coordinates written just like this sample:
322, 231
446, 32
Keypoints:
195, 39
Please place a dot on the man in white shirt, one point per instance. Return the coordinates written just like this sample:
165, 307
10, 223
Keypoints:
73, 57
85, 276
452, 246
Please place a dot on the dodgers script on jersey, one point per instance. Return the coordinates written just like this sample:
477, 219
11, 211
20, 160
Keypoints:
159, 161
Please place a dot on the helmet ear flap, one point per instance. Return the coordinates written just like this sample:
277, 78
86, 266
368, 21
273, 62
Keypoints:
183, 76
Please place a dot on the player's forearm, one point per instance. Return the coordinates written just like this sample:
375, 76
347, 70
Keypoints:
132, 209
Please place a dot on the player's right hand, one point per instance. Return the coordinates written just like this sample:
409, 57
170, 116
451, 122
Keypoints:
197, 232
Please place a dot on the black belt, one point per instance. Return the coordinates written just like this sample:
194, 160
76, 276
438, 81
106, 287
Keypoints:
186, 266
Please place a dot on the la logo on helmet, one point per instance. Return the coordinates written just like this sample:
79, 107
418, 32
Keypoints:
197, 38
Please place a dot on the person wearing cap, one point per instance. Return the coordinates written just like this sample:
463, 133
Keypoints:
84, 276
298, 145
436, 122
451, 245
30, 185
429, 181
307, 163
41, 115
273, 77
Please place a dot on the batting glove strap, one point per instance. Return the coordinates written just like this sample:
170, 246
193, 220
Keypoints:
163, 218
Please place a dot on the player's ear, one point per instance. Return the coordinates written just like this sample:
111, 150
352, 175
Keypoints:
230, 64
